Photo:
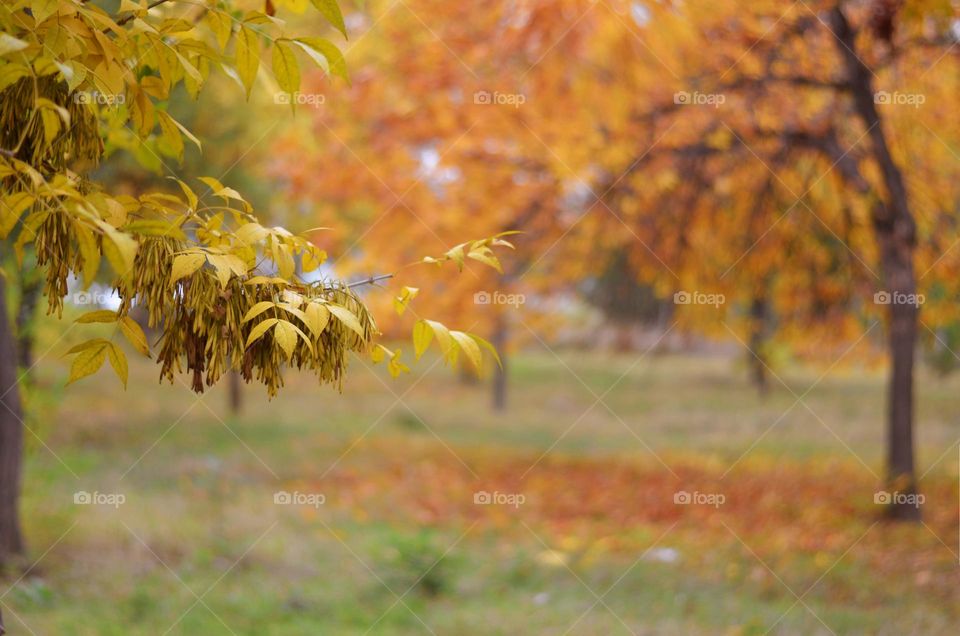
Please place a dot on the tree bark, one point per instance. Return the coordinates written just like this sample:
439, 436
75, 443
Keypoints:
895, 230
758, 341
30, 290
235, 390
499, 341
11, 438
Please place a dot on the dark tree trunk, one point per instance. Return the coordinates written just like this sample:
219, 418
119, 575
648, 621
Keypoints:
235, 390
499, 342
758, 342
11, 438
30, 289
467, 375
895, 229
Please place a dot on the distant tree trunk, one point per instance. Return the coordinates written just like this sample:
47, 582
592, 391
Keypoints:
467, 375
30, 288
758, 342
895, 230
499, 342
11, 437
235, 389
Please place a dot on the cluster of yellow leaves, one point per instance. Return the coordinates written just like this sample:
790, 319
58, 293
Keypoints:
72, 75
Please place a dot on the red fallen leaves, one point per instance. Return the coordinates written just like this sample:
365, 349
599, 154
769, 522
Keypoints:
781, 509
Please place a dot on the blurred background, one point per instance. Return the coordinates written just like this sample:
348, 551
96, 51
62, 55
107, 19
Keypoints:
735, 219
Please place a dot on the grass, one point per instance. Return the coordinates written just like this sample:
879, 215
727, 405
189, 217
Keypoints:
398, 547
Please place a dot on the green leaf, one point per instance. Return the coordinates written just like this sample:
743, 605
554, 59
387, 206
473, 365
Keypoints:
331, 11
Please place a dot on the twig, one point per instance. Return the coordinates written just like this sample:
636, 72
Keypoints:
369, 281
131, 16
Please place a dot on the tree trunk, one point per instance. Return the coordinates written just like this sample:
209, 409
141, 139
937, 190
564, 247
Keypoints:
30, 289
500, 372
758, 342
11, 437
896, 235
235, 389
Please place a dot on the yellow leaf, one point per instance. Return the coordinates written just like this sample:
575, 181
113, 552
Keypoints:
346, 316
248, 56
118, 360
170, 135
188, 192
86, 345
318, 317
422, 337
120, 250
185, 265
134, 334
331, 11
256, 310
11, 208
406, 295
87, 243
469, 347
285, 67
100, 315
88, 361
443, 339
221, 24
286, 336
260, 329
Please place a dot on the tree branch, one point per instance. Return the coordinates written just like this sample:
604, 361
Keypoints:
369, 281
127, 18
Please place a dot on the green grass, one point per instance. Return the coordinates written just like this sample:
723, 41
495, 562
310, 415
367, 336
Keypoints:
199, 518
